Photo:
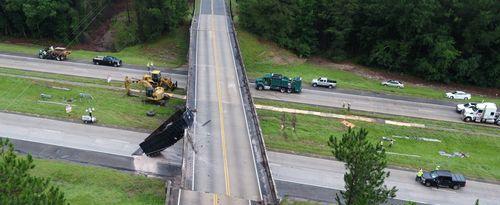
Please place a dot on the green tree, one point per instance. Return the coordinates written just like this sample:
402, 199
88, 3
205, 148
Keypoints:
17, 186
365, 163
154, 17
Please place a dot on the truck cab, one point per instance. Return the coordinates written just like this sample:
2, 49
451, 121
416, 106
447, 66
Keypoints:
272, 81
483, 113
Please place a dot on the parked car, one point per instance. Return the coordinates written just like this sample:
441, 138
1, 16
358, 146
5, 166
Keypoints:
461, 107
393, 83
443, 178
324, 82
459, 95
107, 60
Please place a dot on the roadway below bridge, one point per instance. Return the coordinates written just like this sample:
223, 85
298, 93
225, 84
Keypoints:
296, 176
409, 107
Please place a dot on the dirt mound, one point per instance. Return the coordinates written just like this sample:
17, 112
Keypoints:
99, 36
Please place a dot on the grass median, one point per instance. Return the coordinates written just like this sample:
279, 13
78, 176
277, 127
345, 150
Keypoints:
265, 57
312, 133
96, 185
111, 107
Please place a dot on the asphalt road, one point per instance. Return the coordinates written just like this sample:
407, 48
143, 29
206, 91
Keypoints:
308, 96
112, 142
224, 162
328, 174
366, 103
78, 68
296, 176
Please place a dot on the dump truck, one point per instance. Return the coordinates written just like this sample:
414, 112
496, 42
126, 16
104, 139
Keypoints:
57, 53
171, 131
273, 81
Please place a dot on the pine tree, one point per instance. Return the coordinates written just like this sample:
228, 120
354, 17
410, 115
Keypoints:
17, 186
365, 163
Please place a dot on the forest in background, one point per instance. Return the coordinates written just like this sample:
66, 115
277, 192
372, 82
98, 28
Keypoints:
438, 40
66, 20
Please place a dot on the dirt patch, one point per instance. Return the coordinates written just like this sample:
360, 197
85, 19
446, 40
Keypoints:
99, 37
380, 75
277, 55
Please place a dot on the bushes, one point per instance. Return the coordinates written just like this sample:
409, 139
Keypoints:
449, 41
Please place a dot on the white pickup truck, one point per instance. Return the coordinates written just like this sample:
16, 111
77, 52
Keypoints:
324, 82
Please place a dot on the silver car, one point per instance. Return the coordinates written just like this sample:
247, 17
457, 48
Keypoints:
393, 83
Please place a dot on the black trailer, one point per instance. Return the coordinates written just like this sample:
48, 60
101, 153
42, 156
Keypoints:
171, 131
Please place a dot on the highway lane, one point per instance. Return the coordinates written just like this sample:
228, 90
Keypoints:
224, 163
298, 170
329, 174
308, 96
77, 69
366, 103
114, 143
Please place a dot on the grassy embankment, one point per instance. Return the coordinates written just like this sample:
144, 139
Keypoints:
96, 185
169, 50
111, 107
265, 57
312, 134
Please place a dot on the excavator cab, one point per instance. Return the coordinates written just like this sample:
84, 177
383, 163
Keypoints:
156, 76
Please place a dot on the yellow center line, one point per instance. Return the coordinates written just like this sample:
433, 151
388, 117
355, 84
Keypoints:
221, 112
216, 199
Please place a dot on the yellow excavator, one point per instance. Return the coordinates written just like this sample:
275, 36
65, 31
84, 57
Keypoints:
154, 92
157, 80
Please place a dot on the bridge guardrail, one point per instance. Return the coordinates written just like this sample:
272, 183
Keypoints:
272, 197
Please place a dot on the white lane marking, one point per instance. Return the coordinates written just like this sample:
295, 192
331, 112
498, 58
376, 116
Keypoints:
179, 197
242, 104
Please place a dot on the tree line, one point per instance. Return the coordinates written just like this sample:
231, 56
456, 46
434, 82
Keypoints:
439, 40
65, 20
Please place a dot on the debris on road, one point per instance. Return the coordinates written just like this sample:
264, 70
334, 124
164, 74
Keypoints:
45, 96
401, 154
417, 138
338, 116
60, 88
454, 154
348, 124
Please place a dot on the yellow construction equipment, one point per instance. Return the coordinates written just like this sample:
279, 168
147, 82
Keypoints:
156, 80
156, 94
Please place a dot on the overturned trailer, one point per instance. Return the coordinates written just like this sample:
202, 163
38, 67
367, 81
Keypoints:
171, 131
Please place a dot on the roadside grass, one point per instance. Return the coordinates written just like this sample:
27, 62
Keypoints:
78, 79
262, 57
111, 107
312, 134
96, 185
430, 124
169, 50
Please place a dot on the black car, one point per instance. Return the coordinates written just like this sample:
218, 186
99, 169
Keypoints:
107, 60
443, 178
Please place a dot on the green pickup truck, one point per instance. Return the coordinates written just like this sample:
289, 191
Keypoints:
272, 81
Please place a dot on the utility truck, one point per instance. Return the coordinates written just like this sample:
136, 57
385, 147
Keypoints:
272, 81
483, 113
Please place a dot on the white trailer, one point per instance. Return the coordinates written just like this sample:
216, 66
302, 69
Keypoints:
483, 113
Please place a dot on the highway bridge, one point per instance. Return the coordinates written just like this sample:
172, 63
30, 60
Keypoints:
224, 158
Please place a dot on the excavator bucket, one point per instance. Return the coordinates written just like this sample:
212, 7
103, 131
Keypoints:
171, 131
